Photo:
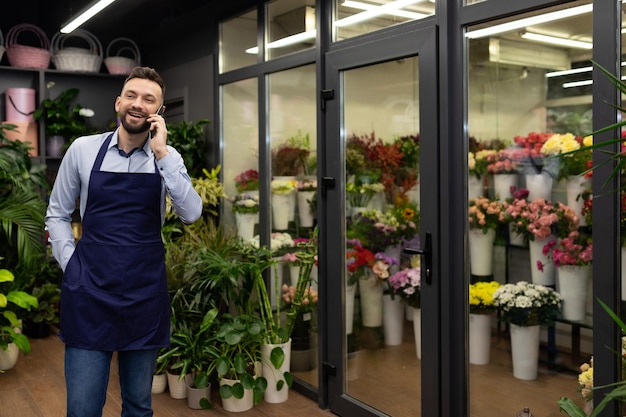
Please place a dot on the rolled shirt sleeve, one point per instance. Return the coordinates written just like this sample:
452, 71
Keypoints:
186, 202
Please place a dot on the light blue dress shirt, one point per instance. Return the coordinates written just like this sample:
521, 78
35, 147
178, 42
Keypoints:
72, 184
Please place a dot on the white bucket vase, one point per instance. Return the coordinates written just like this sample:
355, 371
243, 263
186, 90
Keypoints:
9, 357
304, 209
515, 238
350, 295
481, 251
417, 331
159, 383
408, 312
245, 224
475, 187
573, 282
281, 206
393, 319
502, 184
237, 405
177, 387
479, 338
377, 202
291, 196
547, 276
574, 188
273, 375
371, 292
539, 186
525, 351
414, 194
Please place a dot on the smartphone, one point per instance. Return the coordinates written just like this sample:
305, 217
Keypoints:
159, 110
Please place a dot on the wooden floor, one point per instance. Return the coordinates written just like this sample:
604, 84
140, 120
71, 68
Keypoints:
388, 379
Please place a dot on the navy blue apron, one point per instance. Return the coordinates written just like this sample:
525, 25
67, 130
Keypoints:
114, 293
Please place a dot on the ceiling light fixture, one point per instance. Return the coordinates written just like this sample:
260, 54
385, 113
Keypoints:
286, 41
375, 12
400, 13
85, 15
577, 83
568, 72
529, 21
553, 40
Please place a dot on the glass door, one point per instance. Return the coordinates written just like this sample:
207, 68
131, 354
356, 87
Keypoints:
381, 138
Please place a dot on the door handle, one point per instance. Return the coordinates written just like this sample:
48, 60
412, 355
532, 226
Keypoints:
427, 252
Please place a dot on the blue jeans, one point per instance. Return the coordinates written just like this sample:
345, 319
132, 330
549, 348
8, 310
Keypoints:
87, 378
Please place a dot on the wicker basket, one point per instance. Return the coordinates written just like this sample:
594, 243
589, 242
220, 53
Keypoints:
121, 64
25, 56
75, 58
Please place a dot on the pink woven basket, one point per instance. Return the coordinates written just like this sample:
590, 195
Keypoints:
2, 49
119, 64
26, 56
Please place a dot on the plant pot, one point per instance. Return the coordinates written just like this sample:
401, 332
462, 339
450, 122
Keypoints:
272, 394
539, 186
178, 389
9, 357
525, 351
573, 281
481, 251
547, 276
196, 395
502, 184
237, 405
479, 338
393, 320
159, 383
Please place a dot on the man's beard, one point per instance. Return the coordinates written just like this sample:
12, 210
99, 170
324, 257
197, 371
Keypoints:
142, 128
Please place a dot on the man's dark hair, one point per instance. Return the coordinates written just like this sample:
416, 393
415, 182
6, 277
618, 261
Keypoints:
146, 73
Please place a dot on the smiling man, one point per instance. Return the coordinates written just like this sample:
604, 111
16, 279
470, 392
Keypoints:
114, 294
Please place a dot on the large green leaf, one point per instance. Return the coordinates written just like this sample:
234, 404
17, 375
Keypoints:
277, 357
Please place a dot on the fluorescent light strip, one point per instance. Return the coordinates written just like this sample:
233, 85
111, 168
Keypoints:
577, 83
529, 21
569, 72
583, 82
553, 40
375, 12
286, 41
370, 13
87, 14
400, 13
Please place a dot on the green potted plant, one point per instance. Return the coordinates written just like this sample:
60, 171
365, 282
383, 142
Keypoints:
236, 359
21, 207
292, 157
189, 138
62, 121
190, 352
45, 285
12, 302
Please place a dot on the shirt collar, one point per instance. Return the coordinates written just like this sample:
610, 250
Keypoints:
146, 146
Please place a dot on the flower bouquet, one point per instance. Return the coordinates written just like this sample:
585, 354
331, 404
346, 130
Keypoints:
481, 306
359, 260
245, 204
485, 214
307, 184
406, 284
291, 157
247, 180
359, 195
571, 163
282, 187
506, 161
574, 250
526, 304
481, 297
539, 219
480, 160
376, 230
410, 148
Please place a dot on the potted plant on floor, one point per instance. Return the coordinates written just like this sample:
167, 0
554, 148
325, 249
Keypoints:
236, 359
11, 338
189, 353
276, 349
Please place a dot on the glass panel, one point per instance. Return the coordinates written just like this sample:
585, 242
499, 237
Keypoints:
354, 18
240, 138
381, 125
293, 139
522, 108
291, 27
238, 42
